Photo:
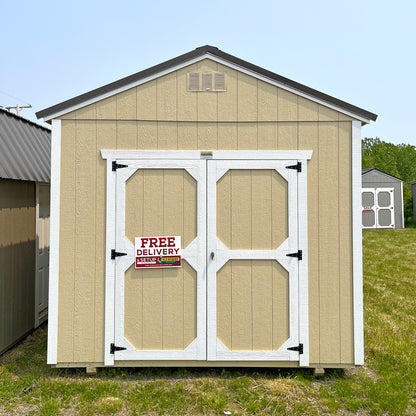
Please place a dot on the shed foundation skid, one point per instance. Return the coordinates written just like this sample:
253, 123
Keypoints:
256, 176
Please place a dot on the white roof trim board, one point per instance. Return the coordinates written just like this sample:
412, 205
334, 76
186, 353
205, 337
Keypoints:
25, 149
194, 56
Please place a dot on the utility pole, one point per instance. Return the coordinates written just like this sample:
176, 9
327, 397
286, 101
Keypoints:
17, 107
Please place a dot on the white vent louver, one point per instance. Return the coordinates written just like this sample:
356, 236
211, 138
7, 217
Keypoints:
219, 81
206, 81
193, 81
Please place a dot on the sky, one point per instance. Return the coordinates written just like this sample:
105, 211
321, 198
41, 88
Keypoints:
360, 51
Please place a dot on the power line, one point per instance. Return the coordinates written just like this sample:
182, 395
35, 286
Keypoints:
14, 97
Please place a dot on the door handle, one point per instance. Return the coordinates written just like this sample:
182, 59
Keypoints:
212, 255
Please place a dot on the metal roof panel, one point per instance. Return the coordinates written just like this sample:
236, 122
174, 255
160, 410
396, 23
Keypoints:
25, 149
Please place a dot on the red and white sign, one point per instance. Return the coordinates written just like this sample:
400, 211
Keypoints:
367, 207
158, 252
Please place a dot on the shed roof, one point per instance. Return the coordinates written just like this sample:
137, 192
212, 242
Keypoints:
202, 52
364, 171
25, 149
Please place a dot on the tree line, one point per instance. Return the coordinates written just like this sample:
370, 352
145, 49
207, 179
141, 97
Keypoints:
397, 160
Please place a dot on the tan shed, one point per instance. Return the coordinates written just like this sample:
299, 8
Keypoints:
206, 212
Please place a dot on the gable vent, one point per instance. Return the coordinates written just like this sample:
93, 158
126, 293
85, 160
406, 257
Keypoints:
219, 81
193, 81
206, 81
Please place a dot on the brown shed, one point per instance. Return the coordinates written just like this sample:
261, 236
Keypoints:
206, 212
24, 226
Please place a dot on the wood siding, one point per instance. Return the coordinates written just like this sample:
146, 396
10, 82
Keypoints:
162, 114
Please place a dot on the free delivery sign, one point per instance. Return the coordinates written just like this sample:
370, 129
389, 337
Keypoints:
155, 252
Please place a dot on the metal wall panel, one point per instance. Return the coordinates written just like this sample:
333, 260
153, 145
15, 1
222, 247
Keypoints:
17, 260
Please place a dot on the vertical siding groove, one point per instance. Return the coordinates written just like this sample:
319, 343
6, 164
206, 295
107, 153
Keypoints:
252, 305
163, 271
75, 240
339, 246
318, 300
142, 274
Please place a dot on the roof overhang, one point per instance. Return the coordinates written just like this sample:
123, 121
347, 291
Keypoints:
197, 55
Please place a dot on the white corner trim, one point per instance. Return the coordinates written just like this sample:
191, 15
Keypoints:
52, 355
193, 61
216, 154
303, 265
357, 246
402, 209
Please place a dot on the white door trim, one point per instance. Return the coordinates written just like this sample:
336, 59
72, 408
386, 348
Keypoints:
209, 154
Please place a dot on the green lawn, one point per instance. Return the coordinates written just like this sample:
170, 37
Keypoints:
385, 385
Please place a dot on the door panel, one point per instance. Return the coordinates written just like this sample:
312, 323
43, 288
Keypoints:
160, 313
42, 252
256, 292
241, 195
252, 283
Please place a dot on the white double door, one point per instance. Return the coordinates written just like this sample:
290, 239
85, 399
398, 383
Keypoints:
378, 207
241, 293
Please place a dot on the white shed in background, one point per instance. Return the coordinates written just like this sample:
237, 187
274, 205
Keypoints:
382, 200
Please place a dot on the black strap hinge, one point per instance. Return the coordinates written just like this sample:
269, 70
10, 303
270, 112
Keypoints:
115, 254
297, 348
115, 166
297, 167
298, 254
114, 348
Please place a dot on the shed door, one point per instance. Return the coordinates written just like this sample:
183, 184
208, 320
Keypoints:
160, 313
377, 207
239, 226
253, 299
42, 252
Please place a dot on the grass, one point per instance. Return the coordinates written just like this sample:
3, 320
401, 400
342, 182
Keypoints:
386, 385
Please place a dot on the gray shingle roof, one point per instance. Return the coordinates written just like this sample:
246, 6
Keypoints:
198, 52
